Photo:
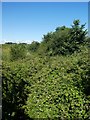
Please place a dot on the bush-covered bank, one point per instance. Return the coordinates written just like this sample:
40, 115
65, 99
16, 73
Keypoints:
41, 82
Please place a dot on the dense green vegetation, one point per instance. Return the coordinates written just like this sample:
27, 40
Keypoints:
48, 79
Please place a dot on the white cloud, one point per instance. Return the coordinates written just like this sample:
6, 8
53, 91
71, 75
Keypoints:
15, 41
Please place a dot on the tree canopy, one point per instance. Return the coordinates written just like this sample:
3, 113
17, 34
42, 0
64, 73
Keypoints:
65, 40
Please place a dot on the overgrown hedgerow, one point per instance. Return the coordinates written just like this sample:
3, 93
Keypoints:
48, 79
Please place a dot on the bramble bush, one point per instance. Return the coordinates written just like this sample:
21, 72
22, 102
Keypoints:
49, 79
18, 51
59, 89
14, 93
47, 87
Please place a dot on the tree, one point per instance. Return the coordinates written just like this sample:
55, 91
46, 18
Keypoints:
65, 40
55, 42
77, 34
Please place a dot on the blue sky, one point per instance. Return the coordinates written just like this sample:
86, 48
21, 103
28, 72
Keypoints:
0, 20
28, 21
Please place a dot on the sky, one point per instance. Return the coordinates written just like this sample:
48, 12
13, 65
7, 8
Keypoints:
44, 0
0, 20
29, 21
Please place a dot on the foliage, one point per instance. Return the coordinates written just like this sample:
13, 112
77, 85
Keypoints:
77, 34
6, 52
55, 87
14, 92
58, 90
64, 40
33, 46
48, 79
17, 51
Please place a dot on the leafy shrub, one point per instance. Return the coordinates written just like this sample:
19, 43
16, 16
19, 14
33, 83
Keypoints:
33, 46
58, 89
18, 51
14, 91
47, 87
